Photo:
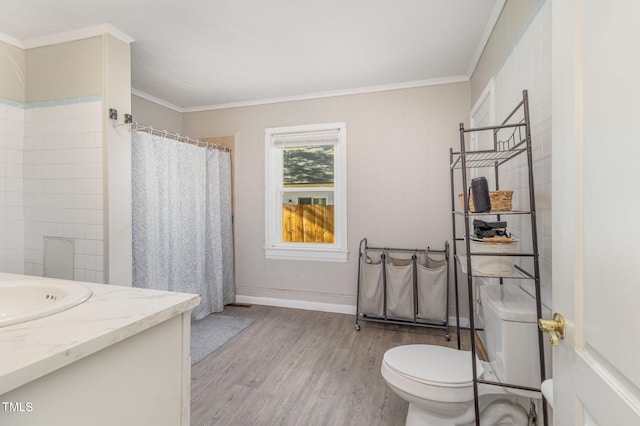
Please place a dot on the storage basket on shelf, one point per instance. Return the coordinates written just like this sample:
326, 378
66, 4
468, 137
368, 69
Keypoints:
500, 200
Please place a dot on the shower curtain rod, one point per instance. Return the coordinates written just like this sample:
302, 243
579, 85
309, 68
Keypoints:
177, 136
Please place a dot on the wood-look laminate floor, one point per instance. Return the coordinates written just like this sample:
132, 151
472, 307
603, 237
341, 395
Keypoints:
297, 367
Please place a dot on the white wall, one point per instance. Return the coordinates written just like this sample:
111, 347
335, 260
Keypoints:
398, 181
63, 183
53, 149
11, 186
63, 161
117, 155
529, 67
51, 184
12, 94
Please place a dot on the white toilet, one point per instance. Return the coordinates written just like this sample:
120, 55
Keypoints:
437, 381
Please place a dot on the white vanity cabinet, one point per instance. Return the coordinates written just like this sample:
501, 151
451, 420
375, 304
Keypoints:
121, 358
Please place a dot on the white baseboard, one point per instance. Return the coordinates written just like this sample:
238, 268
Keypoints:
297, 304
318, 306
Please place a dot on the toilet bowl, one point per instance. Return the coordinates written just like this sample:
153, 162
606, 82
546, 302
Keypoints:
438, 381
440, 391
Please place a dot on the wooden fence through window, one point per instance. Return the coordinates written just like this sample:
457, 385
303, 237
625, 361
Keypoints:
307, 223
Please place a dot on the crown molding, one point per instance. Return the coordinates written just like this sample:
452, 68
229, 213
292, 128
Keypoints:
74, 35
67, 36
11, 40
332, 93
304, 97
119, 34
151, 98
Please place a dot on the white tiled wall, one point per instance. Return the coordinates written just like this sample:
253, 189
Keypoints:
63, 185
51, 184
529, 67
11, 189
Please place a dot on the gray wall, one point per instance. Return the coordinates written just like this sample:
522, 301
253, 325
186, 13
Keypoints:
66, 70
61, 71
12, 73
514, 17
155, 115
398, 180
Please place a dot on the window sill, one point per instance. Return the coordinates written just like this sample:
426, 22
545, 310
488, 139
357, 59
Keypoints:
308, 254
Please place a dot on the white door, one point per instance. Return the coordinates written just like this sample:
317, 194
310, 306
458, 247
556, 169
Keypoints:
596, 210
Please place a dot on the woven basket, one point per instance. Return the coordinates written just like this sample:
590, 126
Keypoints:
500, 200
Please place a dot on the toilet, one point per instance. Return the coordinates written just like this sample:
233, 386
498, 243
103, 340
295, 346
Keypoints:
438, 381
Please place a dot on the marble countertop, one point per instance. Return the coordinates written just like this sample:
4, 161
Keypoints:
32, 349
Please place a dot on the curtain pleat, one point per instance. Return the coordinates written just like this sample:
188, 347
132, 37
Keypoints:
226, 228
180, 241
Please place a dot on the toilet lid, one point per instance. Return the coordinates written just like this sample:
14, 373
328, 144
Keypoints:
432, 364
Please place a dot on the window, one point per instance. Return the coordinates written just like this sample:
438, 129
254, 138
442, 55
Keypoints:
309, 200
306, 188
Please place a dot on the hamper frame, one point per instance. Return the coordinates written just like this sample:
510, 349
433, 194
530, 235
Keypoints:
415, 320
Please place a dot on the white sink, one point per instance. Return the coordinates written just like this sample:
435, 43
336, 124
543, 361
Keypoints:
26, 300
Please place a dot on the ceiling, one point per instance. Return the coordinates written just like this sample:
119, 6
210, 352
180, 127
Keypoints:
196, 54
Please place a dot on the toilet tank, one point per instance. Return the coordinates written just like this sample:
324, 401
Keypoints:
511, 334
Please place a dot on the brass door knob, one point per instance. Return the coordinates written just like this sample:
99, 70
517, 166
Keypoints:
555, 327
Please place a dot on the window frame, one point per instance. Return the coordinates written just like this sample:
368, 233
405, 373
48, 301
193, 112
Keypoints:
274, 247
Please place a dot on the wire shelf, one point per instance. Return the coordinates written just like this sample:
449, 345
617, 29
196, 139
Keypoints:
518, 273
508, 212
487, 158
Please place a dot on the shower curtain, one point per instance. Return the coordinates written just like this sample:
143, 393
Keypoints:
182, 237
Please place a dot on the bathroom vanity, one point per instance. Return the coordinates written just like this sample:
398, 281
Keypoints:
119, 358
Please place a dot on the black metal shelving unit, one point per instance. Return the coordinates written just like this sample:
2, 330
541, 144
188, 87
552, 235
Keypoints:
517, 125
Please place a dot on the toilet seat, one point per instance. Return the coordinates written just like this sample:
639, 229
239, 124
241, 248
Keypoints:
432, 365
438, 384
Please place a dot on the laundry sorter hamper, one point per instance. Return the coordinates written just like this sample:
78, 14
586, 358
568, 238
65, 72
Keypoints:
403, 286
